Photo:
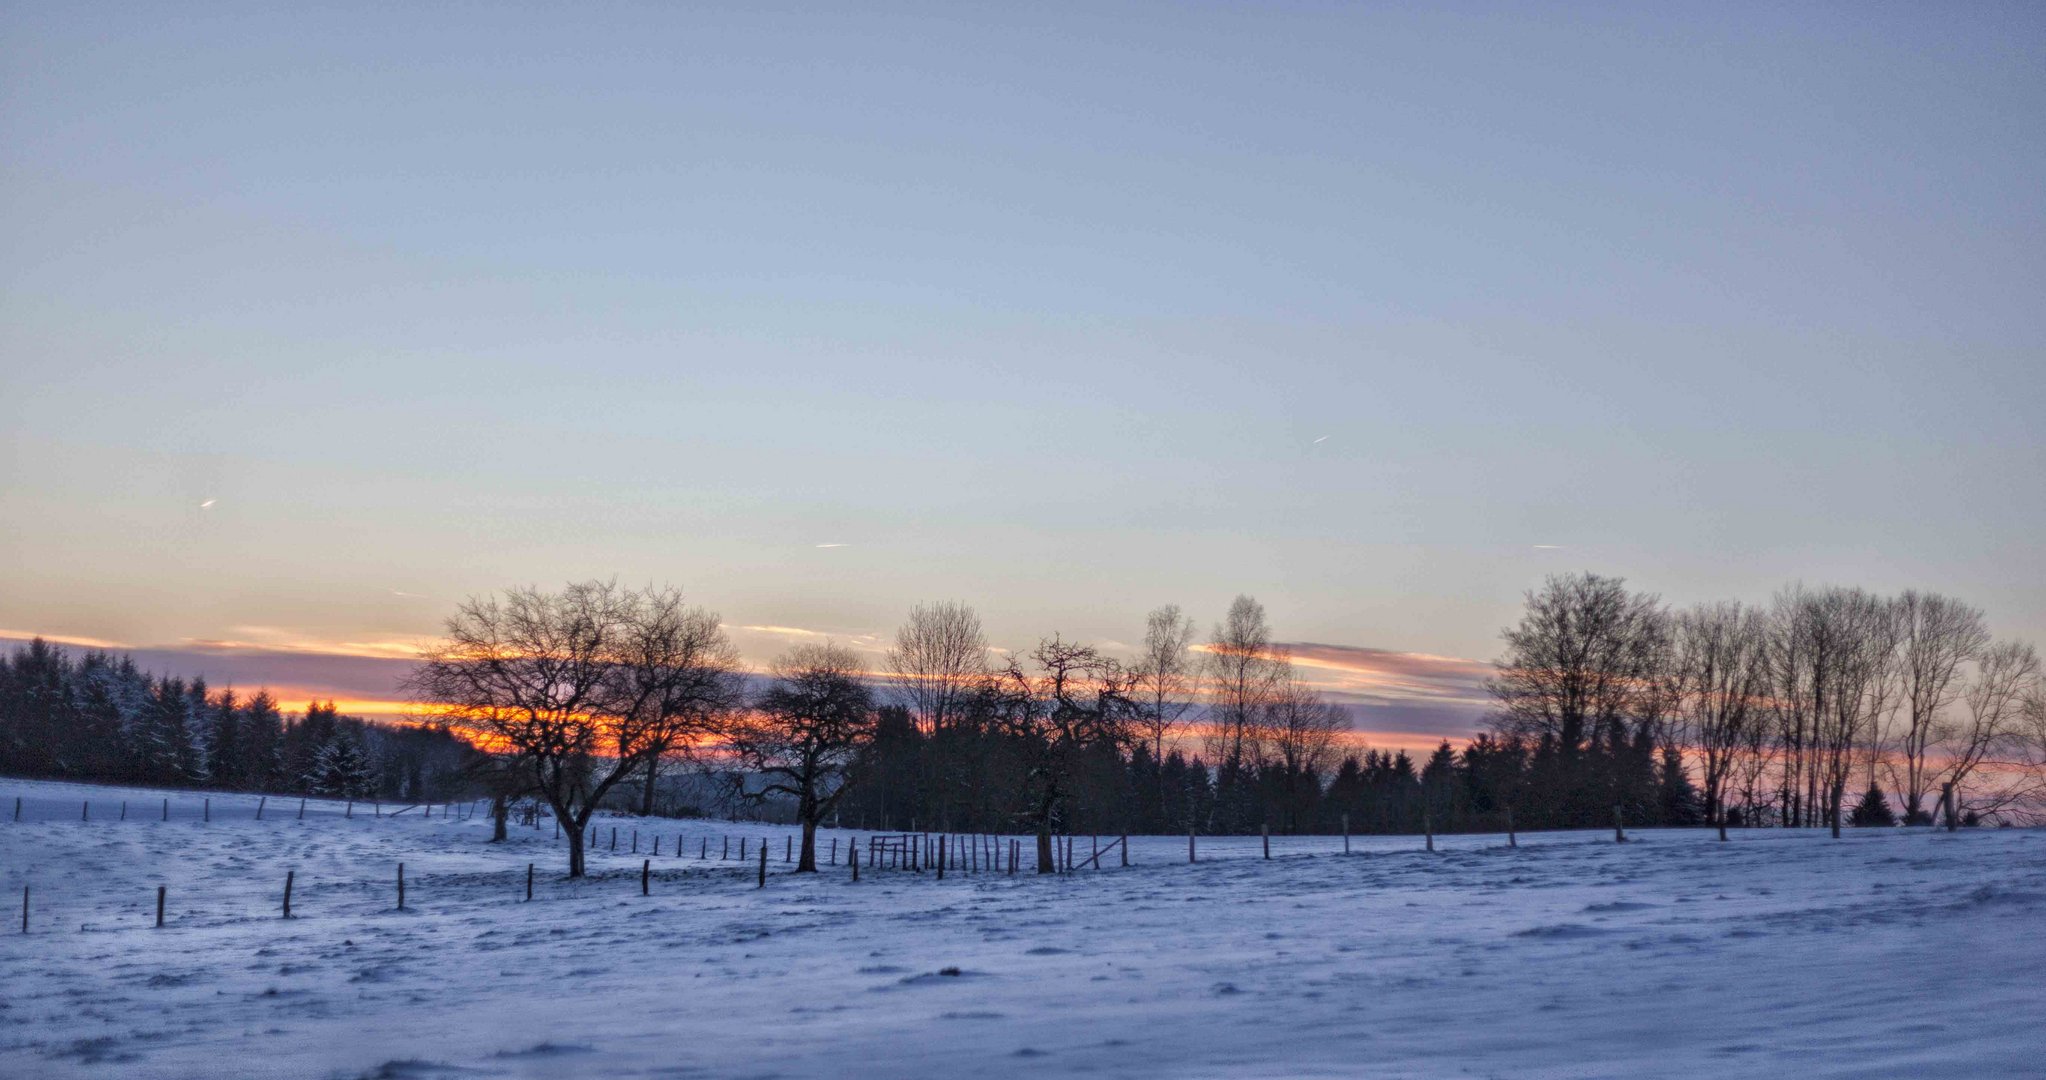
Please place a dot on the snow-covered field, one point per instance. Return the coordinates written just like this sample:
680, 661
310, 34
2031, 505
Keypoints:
1777, 954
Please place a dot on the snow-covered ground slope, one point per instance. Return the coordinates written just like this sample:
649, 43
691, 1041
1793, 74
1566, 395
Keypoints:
1778, 954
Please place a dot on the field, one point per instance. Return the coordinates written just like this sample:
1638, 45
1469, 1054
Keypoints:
1777, 954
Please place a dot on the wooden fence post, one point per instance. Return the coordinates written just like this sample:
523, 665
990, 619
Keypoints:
763, 864
1125, 841
209, 809
852, 859
1619, 833
17, 808
301, 809
85, 811
614, 838
529, 881
289, 875
1428, 825
646, 871
159, 907
1266, 829
1946, 799
24, 909
124, 809
1190, 844
941, 857
259, 806
1346, 834
788, 847
635, 841
401, 886
834, 851
350, 812
166, 809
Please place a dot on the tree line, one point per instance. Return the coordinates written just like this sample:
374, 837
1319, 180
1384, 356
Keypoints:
96, 716
1606, 700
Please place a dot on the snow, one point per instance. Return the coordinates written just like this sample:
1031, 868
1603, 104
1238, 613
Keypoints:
1887, 953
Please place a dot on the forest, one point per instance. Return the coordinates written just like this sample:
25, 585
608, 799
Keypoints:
95, 716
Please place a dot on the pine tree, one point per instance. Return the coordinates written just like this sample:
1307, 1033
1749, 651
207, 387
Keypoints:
1873, 811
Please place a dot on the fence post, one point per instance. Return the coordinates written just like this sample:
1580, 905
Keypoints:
301, 809
646, 870
834, 851
763, 865
159, 906
350, 812
941, 856
1266, 829
259, 807
124, 809
1428, 825
703, 851
1513, 840
1946, 799
401, 886
614, 838
17, 808
24, 909
85, 810
1619, 833
788, 847
209, 809
1125, 849
1346, 834
852, 859
166, 809
529, 881
289, 875
635, 841
1190, 844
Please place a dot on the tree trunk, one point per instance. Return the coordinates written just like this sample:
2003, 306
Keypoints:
500, 810
806, 863
646, 795
1045, 864
575, 847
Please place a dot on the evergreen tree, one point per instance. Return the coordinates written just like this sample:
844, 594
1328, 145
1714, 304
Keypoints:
1873, 811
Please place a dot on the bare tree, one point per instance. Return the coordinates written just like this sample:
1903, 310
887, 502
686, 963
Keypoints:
1720, 657
805, 733
1986, 741
1070, 701
1298, 730
1584, 654
939, 658
1864, 692
580, 686
676, 675
1939, 636
1167, 676
1243, 672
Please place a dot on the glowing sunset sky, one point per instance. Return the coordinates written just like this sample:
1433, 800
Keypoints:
312, 323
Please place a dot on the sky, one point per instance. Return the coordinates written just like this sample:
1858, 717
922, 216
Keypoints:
316, 319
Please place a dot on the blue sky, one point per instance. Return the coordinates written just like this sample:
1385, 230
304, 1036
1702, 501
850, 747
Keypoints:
1065, 311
